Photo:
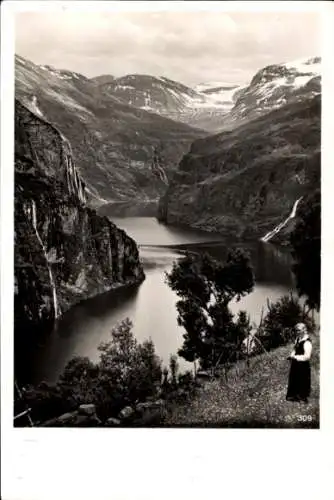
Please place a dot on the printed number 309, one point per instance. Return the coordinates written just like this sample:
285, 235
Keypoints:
304, 418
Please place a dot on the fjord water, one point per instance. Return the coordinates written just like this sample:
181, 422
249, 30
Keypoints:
151, 305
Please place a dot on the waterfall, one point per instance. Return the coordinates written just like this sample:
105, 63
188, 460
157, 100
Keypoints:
52, 282
96, 196
73, 179
280, 226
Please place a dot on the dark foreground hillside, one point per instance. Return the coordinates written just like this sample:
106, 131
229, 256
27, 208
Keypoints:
253, 397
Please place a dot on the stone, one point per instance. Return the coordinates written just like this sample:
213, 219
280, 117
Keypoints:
87, 421
150, 405
112, 422
203, 374
87, 409
67, 417
126, 413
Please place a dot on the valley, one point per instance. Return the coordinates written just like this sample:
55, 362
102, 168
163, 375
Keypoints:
217, 164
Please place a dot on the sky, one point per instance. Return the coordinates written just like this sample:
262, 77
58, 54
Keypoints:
190, 47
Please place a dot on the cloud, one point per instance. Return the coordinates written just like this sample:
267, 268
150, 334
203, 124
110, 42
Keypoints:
186, 46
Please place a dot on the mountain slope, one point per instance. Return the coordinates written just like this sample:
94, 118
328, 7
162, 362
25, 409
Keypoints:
244, 182
124, 154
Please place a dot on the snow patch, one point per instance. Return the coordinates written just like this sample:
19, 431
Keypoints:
124, 87
305, 66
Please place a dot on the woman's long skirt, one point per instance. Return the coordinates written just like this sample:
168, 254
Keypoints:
299, 386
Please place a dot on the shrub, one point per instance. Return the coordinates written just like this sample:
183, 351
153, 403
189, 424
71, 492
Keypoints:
278, 325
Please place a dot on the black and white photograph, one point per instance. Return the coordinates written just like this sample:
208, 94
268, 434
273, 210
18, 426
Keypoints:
167, 229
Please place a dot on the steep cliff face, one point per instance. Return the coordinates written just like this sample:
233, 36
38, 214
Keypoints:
246, 182
64, 251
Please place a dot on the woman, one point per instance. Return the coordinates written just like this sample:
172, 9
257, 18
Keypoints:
299, 386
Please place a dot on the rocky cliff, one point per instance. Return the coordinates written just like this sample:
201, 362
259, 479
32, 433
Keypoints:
245, 182
64, 251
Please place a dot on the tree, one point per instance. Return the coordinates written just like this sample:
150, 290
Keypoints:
79, 381
173, 366
205, 288
128, 372
306, 247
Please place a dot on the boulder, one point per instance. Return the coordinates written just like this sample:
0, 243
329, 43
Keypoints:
203, 374
150, 405
150, 413
126, 413
112, 422
67, 418
87, 409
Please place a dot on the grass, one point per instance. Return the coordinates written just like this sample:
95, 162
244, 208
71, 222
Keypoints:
251, 397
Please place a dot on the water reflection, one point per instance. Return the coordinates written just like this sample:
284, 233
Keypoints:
151, 306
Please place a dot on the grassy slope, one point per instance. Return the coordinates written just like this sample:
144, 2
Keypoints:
252, 398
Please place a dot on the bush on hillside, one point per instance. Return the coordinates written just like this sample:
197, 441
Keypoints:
278, 324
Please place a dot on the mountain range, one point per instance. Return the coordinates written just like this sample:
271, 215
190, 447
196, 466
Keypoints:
247, 181
141, 138
215, 106
126, 155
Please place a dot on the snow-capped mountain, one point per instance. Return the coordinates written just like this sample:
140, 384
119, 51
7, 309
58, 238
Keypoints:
217, 106
156, 94
173, 99
276, 85
247, 181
